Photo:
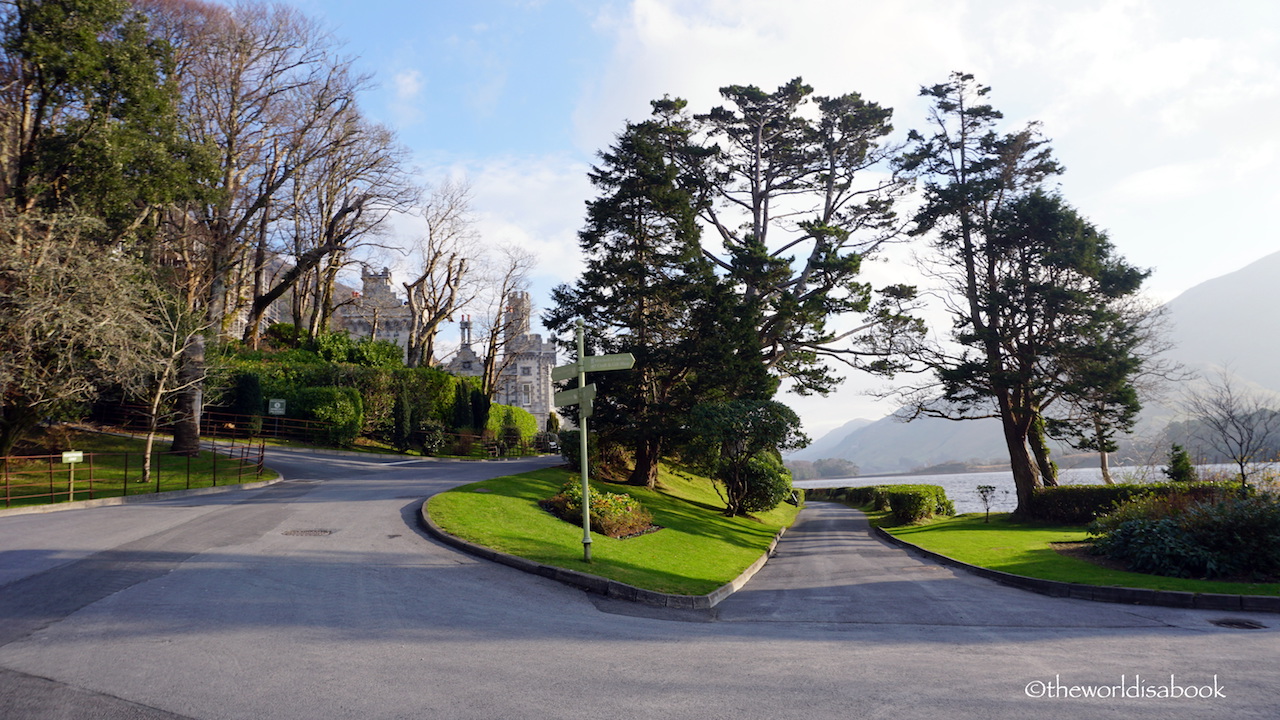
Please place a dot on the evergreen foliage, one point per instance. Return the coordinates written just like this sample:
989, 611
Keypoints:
1180, 468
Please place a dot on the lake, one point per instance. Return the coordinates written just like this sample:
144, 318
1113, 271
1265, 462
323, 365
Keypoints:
962, 488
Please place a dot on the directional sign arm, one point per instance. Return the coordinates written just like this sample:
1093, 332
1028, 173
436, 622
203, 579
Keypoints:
576, 396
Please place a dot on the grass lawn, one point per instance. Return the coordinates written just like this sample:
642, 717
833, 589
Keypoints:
1024, 549
697, 551
117, 470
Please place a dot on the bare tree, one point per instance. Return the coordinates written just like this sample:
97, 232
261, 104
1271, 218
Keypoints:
502, 341
267, 92
71, 318
1238, 423
336, 202
444, 281
158, 373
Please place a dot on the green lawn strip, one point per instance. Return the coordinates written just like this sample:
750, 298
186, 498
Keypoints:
113, 476
1024, 549
697, 551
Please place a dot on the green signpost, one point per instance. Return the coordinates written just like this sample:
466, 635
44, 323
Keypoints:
583, 396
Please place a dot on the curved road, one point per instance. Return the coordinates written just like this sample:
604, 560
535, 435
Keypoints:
319, 598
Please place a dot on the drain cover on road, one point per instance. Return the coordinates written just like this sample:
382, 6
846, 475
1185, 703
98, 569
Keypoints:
1238, 624
308, 533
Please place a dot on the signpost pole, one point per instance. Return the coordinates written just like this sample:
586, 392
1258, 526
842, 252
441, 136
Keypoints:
584, 410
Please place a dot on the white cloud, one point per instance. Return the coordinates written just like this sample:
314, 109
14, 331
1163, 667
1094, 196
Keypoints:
408, 85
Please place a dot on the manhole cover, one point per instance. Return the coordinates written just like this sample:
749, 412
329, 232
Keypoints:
1238, 624
307, 533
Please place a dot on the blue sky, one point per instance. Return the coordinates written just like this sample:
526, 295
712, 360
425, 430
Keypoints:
1163, 111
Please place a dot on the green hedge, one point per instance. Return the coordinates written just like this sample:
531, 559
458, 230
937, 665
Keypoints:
340, 407
908, 503
1080, 504
429, 390
521, 418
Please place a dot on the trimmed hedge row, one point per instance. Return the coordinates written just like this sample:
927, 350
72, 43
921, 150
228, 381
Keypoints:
1081, 504
429, 389
908, 503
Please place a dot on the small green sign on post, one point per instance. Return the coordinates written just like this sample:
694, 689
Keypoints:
583, 396
71, 457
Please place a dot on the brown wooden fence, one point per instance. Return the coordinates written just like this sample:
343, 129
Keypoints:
44, 479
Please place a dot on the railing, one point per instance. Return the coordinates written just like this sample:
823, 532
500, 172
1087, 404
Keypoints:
45, 479
218, 424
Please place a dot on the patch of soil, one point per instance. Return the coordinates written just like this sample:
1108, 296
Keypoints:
1084, 551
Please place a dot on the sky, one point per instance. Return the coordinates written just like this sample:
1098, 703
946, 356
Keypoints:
1163, 112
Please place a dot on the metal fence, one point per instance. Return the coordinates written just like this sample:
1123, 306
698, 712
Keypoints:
44, 479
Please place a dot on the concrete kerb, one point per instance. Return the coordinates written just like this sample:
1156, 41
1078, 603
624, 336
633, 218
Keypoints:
1099, 593
132, 499
595, 583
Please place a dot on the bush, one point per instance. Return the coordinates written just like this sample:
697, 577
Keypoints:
1180, 468
913, 503
1208, 539
521, 418
908, 503
340, 407
767, 484
571, 446
247, 400
1081, 504
614, 515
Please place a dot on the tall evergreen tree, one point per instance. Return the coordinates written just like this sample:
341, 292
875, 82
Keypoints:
796, 208
1033, 285
648, 290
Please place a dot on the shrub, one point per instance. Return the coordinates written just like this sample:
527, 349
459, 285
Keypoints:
1180, 468
1081, 504
913, 503
766, 484
612, 514
247, 400
908, 503
523, 420
341, 408
571, 445
1215, 538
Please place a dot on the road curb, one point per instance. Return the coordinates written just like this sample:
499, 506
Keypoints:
1100, 593
595, 583
139, 498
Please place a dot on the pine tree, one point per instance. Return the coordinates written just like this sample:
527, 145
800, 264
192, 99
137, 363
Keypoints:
648, 290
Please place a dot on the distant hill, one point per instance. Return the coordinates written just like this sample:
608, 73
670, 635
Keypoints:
1230, 321
828, 445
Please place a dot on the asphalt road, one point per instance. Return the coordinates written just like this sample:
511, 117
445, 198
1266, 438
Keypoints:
319, 598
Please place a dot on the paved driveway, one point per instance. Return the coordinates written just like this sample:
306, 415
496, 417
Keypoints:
318, 598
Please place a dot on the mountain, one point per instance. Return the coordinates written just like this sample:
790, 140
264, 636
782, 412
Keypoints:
1232, 321
827, 445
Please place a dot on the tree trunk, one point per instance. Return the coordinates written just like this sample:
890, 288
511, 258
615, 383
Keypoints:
648, 458
1040, 450
186, 431
1100, 438
1025, 477
153, 420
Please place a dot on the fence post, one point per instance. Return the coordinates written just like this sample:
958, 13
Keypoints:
156, 464
8, 490
214, 444
188, 472
51, 478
